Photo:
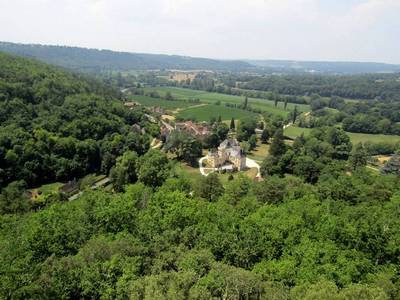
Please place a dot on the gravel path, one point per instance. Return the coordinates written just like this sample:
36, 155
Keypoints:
250, 163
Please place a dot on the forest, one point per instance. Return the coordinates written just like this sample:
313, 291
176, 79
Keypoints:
364, 86
320, 225
170, 238
59, 126
99, 61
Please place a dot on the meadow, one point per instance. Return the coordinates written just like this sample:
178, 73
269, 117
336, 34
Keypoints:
206, 97
355, 138
165, 104
208, 111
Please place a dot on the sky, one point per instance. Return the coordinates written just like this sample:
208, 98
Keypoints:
328, 30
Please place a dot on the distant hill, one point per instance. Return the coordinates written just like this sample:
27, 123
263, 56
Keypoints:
94, 60
290, 66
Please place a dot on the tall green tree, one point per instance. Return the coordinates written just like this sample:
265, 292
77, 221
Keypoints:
232, 125
209, 187
294, 115
14, 198
253, 142
246, 128
153, 168
358, 157
124, 172
246, 100
265, 136
340, 141
278, 147
185, 146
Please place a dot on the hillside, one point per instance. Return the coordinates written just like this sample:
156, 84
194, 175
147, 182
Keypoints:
57, 126
291, 66
320, 225
94, 60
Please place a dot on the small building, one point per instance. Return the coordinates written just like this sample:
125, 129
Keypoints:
200, 130
131, 104
229, 151
182, 76
156, 110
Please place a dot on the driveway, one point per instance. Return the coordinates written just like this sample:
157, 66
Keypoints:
250, 163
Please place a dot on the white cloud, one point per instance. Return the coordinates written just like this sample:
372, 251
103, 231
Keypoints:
293, 29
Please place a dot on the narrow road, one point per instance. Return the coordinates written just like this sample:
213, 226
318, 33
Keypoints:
95, 186
373, 168
250, 163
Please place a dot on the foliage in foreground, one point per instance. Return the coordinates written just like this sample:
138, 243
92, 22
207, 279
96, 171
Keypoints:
277, 239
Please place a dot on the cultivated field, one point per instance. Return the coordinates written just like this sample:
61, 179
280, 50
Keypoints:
209, 111
165, 104
206, 97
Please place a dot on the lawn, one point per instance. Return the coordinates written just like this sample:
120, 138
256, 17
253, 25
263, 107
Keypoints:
165, 104
194, 175
206, 112
206, 97
294, 131
355, 138
39, 194
374, 138
186, 171
260, 153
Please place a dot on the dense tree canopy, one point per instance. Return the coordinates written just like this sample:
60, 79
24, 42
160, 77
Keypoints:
279, 238
318, 226
60, 126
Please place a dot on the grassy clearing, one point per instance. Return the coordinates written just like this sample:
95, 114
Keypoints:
260, 153
206, 97
186, 171
355, 138
194, 175
207, 112
294, 131
40, 193
166, 104
374, 138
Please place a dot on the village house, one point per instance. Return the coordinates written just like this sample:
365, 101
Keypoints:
131, 104
229, 152
200, 130
182, 76
156, 110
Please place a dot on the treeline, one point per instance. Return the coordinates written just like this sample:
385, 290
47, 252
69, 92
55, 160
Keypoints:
98, 61
220, 84
371, 116
382, 86
60, 126
167, 237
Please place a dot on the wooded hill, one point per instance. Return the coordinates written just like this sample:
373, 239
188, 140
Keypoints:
94, 60
55, 125
319, 226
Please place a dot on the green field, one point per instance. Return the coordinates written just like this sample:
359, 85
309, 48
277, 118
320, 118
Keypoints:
208, 111
39, 194
206, 97
165, 104
355, 138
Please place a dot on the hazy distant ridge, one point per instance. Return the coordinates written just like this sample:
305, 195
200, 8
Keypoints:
94, 60
325, 66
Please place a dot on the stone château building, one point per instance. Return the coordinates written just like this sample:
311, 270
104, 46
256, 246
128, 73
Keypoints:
229, 151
